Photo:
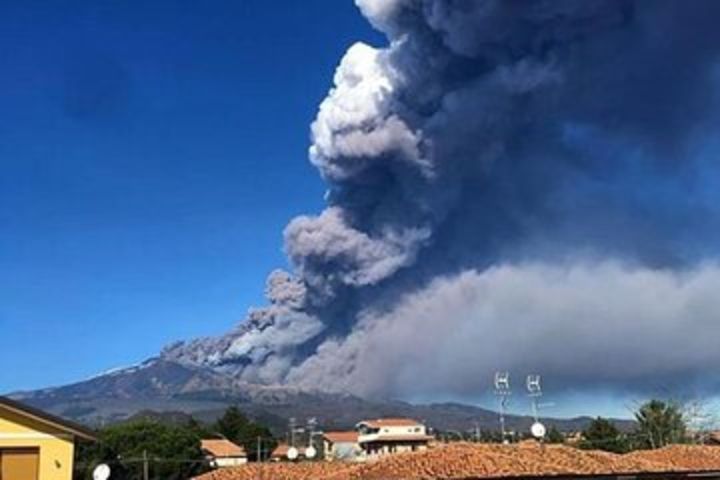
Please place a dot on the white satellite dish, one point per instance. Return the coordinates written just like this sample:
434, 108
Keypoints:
537, 430
292, 453
310, 452
101, 472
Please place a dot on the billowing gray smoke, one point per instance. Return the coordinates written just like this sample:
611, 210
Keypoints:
511, 184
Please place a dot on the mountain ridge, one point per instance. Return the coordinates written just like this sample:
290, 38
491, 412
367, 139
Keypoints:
158, 387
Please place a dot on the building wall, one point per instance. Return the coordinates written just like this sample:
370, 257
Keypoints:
379, 449
373, 435
397, 430
56, 447
229, 461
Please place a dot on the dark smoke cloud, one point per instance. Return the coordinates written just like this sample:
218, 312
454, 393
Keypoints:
510, 183
585, 325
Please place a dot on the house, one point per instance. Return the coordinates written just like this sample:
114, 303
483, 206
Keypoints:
391, 435
223, 453
280, 454
708, 437
35, 445
341, 445
285, 453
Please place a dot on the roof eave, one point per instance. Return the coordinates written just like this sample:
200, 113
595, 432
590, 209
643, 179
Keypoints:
49, 419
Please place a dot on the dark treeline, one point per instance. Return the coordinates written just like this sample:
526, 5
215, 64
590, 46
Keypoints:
168, 450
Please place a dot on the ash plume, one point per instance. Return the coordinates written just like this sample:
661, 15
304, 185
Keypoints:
510, 183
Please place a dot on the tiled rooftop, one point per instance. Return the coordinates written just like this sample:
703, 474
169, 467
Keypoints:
221, 448
466, 460
342, 437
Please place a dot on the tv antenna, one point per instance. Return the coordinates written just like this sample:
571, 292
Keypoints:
293, 452
310, 450
534, 388
502, 391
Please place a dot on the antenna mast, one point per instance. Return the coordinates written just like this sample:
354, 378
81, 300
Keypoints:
532, 382
502, 391
534, 388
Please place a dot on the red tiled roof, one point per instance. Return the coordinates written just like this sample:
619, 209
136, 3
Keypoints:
342, 437
221, 448
463, 461
278, 471
682, 457
281, 450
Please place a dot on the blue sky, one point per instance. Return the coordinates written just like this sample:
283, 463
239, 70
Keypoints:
151, 153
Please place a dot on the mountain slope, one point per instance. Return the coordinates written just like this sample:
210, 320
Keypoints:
159, 385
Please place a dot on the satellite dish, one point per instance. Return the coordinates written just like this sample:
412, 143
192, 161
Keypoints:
292, 453
310, 452
537, 430
101, 472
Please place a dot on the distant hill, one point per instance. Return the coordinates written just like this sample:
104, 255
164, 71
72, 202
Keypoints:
171, 392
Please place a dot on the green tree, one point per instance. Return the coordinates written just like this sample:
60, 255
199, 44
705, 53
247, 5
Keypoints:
554, 436
237, 428
232, 424
199, 429
602, 434
660, 423
490, 436
172, 451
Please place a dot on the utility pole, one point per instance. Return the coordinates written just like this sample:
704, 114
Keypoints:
146, 466
292, 431
259, 449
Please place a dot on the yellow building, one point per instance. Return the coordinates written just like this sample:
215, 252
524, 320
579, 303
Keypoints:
35, 445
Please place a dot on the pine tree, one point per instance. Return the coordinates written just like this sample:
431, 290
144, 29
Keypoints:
602, 434
237, 428
660, 423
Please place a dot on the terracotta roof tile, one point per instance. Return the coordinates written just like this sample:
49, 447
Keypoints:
281, 450
222, 448
278, 471
465, 460
342, 437
682, 457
